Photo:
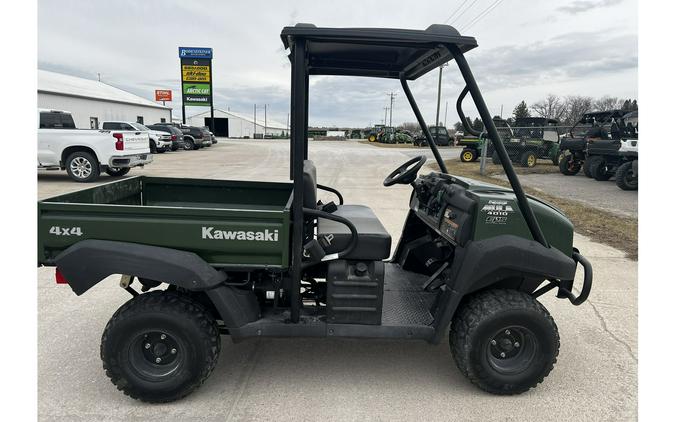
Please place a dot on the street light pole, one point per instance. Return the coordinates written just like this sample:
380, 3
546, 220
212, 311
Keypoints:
438, 100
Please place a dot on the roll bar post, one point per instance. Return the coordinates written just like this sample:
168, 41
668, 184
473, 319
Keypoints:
423, 125
472, 87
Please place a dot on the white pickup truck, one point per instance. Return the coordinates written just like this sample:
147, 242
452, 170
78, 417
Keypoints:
85, 153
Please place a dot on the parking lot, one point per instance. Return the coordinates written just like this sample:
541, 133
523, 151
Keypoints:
595, 377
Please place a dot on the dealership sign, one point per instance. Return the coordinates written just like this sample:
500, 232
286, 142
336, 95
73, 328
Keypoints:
163, 95
195, 53
195, 66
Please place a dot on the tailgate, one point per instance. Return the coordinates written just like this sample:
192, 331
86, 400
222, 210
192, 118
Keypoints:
138, 142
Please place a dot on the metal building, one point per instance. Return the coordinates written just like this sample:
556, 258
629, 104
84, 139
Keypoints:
236, 125
92, 102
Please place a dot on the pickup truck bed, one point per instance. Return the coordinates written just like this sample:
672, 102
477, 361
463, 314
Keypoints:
227, 223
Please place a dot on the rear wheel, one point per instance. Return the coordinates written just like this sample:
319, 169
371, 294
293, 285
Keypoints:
117, 171
626, 178
504, 341
600, 170
153, 147
467, 155
569, 166
372, 138
588, 163
82, 167
189, 145
528, 159
160, 346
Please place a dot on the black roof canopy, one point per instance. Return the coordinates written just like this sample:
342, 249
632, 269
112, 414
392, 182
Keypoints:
376, 52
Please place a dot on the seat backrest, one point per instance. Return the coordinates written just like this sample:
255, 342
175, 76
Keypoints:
309, 183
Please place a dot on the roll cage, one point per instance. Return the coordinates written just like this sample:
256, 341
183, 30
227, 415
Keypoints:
381, 53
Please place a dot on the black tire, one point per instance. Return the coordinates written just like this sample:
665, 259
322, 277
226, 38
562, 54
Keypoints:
587, 165
569, 166
495, 158
189, 145
174, 148
117, 171
187, 327
528, 159
83, 167
625, 179
599, 170
153, 147
504, 341
467, 155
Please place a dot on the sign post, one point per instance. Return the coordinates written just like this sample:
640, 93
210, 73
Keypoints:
196, 78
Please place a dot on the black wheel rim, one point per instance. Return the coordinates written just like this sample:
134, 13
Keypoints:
511, 350
156, 355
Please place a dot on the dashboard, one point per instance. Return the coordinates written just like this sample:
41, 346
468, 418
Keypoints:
443, 204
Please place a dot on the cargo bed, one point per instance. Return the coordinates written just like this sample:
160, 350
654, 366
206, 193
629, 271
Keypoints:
228, 223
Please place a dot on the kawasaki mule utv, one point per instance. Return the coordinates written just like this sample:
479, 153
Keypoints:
262, 259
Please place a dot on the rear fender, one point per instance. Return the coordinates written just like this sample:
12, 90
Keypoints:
88, 262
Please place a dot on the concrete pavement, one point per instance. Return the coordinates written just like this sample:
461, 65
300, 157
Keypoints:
339, 379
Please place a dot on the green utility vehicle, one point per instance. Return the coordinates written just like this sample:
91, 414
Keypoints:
527, 140
254, 259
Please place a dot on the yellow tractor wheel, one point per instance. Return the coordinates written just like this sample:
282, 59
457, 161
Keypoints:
467, 156
372, 138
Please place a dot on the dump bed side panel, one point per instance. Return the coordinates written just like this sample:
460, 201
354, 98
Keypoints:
227, 223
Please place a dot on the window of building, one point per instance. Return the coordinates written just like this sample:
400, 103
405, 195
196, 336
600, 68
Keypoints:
93, 122
139, 119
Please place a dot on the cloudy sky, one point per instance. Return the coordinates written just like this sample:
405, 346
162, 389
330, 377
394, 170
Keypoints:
527, 49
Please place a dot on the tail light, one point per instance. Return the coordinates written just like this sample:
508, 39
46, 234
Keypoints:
60, 279
173, 137
119, 143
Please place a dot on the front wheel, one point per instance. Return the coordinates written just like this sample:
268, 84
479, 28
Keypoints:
504, 341
117, 171
467, 155
626, 179
83, 167
189, 145
160, 346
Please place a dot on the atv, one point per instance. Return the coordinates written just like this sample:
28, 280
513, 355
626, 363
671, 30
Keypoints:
268, 259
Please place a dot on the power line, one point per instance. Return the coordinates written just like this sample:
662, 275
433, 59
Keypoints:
481, 15
463, 12
455, 12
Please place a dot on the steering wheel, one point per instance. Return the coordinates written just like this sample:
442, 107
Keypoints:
407, 172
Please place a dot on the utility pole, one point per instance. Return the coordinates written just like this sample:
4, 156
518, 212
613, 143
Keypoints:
445, 119
501, 111
438, 101
265, 129
255, 109
385, 116
391, 107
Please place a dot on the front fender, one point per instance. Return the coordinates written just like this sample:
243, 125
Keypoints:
491, 262
88, 262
